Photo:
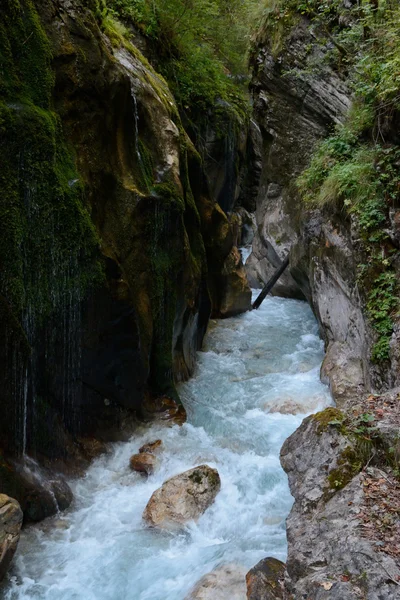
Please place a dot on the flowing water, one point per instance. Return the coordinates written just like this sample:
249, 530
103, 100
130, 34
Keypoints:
252, 367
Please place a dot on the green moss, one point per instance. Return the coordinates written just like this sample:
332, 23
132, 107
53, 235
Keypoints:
330, 417
25, 55
278, 21
349, 464
45, 230
146, 165
196, 477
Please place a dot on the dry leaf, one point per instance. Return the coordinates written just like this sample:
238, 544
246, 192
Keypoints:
327, 585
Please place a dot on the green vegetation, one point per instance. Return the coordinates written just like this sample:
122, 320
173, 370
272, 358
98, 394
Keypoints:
357, 166
364, 445
45, 230
202, 46
329, 417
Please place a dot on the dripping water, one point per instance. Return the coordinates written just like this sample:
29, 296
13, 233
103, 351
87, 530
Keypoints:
136, 119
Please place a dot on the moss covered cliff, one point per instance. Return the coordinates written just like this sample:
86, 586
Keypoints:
112, 244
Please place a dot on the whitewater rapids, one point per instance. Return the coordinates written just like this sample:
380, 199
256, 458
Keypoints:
262, 361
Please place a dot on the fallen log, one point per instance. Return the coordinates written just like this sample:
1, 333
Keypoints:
268, 287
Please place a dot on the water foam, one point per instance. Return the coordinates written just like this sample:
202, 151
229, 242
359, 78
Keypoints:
101, 549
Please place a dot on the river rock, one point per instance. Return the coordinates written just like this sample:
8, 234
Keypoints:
227, 582
10, 526
165, 409
183, 498
265, 580
143, 463
286, 407
151, 447
46, 498
41, 493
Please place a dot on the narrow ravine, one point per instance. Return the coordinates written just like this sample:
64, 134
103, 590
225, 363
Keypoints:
254, 369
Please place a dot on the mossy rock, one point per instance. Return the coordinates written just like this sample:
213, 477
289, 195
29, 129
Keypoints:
330, 417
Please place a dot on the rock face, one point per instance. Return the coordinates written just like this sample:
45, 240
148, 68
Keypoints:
136, 253
10, 526
296, 109
224, 583
328, 555
40, 492
143, 463
183, 498
265, 580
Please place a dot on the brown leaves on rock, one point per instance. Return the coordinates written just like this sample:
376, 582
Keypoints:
380, 512
385, 407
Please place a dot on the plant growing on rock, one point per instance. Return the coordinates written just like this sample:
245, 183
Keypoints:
357, 167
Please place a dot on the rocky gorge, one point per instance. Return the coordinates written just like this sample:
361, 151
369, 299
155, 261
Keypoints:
121, 219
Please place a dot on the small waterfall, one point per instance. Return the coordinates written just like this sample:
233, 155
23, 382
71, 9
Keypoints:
34, 473
136, 118
50, 319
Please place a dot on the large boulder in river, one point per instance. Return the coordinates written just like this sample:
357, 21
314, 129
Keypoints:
265, 580
227, 582
183, 498
10, 527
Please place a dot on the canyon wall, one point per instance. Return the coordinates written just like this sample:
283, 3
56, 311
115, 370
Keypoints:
303, 95
114, 251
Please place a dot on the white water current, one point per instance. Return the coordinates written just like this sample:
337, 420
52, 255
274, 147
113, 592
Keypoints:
101, 549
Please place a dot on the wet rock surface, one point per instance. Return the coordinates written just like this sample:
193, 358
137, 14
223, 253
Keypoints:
265, 580
145, 463
136, 331
183, 498
40, 492
10, 527
224, 583
151, 447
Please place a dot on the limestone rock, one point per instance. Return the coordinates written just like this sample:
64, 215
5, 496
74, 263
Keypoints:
227, 582
295, 110
183, 498
151, 447
343, 372
265, 580
323, 529
10, 526
236, 296
143, 463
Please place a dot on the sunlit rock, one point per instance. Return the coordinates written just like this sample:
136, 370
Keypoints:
183, 498
143, 463
227, 582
